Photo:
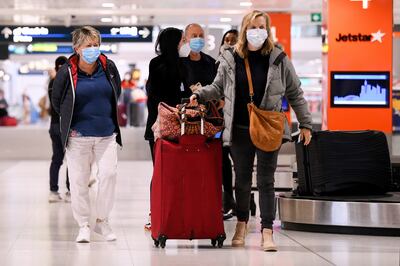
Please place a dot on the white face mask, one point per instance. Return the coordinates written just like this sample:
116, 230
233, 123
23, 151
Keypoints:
256, 37
184, 51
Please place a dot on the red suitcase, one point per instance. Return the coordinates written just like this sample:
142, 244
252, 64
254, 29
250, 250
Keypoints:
186, 194
8, 121
122, 116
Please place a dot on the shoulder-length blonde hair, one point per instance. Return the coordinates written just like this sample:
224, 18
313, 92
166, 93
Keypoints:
241, 46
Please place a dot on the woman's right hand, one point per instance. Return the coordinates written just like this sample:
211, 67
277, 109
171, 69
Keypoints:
193, 100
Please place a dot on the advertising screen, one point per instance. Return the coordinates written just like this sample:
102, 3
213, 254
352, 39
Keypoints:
396, 111
360, 89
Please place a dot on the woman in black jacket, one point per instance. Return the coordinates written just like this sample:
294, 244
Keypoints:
164, 83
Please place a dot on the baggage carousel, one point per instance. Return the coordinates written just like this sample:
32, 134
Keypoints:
372, 215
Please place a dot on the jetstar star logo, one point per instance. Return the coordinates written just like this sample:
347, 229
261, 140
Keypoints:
375, 36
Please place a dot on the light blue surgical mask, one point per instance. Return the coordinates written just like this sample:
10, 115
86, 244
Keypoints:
196, 44
90, 54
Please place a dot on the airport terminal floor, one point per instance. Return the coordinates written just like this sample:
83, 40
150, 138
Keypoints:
34, 232
219, 132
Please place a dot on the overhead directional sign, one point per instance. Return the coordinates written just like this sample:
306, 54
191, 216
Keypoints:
32, 34
7, 32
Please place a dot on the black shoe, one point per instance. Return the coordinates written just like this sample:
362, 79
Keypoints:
228, 215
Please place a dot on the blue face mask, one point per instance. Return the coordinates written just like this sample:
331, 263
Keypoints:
196, 44
90, 54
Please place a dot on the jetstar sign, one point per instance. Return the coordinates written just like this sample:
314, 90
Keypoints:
376, 36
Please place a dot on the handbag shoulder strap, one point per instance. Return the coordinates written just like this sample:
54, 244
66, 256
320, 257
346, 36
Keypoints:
276, 62
279, 58
249, 79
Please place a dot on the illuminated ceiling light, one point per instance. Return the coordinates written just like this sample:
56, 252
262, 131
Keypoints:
108, 5
246, 4
225, 19
106, 20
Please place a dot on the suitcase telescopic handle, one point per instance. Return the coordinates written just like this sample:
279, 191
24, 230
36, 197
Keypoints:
183, 120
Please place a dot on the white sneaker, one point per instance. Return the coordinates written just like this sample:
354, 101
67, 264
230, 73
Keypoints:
67, 197
84, 234
54, 197
104, 229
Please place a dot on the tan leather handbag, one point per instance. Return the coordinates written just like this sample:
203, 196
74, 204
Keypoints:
266, 127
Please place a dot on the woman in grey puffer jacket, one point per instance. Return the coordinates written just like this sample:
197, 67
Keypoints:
273, 77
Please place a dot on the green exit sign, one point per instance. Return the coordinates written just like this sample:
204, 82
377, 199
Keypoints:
316, 17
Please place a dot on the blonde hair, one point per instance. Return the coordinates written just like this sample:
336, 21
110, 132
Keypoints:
80, 35
241, 46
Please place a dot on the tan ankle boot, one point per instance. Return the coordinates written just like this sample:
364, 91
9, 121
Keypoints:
240, 234
267, 242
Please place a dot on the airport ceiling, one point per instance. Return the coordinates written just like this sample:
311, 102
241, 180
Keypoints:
151, 12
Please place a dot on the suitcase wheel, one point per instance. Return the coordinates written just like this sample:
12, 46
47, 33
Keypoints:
219, 241
162, 241
156, 243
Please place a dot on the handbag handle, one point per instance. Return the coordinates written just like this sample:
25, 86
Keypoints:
214, 109
249, 79
182, 111
185, 106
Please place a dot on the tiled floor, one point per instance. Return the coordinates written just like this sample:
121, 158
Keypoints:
34, 232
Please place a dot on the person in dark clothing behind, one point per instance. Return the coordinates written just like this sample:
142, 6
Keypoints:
58, 149
198, 66
164, 83
228, 40
3, 104
201, 68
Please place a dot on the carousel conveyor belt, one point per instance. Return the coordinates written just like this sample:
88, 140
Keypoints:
372, 215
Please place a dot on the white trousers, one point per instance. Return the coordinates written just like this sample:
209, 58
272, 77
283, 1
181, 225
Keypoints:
80, 153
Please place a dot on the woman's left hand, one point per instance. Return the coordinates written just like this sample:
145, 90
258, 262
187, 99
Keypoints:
305, 134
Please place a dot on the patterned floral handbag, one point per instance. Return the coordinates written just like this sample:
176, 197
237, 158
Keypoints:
170, 120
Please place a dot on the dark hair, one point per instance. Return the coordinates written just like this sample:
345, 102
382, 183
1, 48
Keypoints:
167, 43
61, 60
233, 31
